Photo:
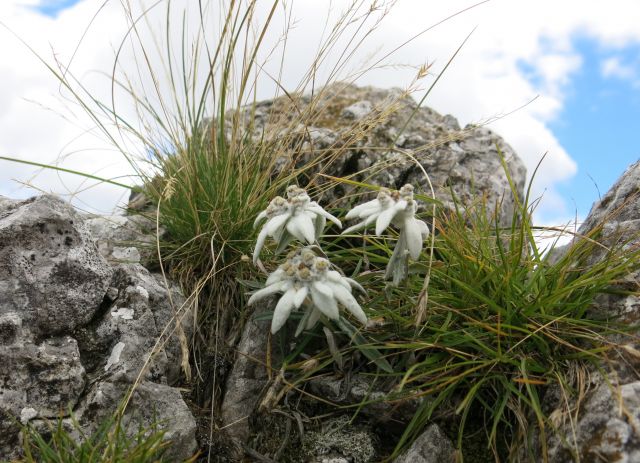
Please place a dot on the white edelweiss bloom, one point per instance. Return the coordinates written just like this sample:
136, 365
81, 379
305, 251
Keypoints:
397, 208
305, 277
296, 217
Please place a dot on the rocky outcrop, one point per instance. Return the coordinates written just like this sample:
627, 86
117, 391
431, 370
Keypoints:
81, 321
604, 424
382, 137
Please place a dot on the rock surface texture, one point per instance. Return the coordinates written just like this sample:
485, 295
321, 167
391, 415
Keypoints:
79, 318
606, 425
431, 447
465, 160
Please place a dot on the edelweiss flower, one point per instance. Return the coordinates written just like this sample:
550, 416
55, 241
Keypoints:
296, 217
398, 208
307, 277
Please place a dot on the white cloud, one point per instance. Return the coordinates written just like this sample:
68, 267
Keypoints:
614, 67
519, 50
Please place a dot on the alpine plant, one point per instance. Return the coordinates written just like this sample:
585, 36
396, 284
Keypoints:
397, 208
296, 217
306, 279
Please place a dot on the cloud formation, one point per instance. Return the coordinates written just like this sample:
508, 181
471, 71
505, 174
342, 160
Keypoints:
519, 50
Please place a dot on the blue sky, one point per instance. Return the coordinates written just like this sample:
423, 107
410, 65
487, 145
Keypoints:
51, 8
600, 123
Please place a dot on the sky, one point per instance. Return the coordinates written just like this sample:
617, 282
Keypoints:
579, 61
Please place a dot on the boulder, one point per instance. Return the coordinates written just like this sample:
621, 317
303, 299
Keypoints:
51, 275
248, 377
80, 325
605, 422
397, 140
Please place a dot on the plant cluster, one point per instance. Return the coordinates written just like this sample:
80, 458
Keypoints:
505, 321
305, 277
111, 442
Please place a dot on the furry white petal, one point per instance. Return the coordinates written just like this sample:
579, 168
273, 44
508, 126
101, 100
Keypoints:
335, 277
372, 205
413, 236
314, 316
345, 298
301, 295
301, 227
324, 303
275, 276
274, 224
262, 236
268, 291
282, 310
372, 218
261, 216
315, 207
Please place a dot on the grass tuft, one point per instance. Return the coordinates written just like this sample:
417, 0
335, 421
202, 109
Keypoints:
505, 322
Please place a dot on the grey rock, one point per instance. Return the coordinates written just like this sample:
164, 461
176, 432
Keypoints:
124, 239
464, 160
37, 380
151, 404
78, 326
603, 426
381, 405
248, 378
433, 446
358, 110
51, 274
120, 342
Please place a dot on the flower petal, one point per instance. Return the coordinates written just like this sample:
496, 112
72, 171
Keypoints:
424, 229
325, 304
413, 236
261, 216
302, 228
384, 219
361, 225
301, 295
319, 224
268, 291
386, 216
275, 223
262, 236
335, 277
346, 299
314, 316
275, 276
324, 288
373, 205
283, 310
355, 284
315, 207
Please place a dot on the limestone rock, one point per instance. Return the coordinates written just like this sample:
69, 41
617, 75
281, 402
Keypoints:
431, 447
51, 275
394, 130
151, 403
76, 330
122, 339
248, 378
606, 422
124, 239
